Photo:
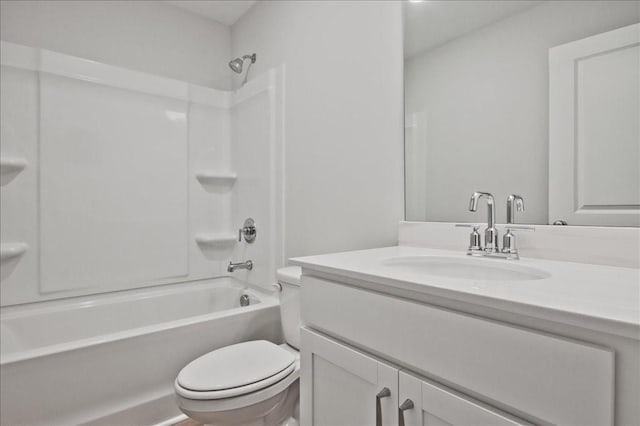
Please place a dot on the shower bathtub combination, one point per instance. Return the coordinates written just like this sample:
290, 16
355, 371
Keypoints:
112, 359
114, 255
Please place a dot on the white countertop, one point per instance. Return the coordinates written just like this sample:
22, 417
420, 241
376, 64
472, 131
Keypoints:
602, 298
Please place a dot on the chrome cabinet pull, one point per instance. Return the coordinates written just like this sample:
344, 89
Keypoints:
406, 405
385, 392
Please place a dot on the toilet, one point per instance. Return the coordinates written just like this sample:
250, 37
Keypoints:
252, 383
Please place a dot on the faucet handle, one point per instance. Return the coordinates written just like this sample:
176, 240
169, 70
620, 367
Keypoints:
509, 240
519, 227
509, 243
475, 241
248, 230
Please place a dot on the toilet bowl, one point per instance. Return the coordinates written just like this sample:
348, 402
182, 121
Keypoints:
253, 383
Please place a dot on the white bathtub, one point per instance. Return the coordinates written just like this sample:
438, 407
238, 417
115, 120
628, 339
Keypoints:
111, 359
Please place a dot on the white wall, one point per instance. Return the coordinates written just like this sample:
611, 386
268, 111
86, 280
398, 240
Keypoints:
343, 126
142, 35
485, 97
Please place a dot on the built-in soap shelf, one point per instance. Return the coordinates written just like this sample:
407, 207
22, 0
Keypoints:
216, 181
11, 250
219, 240
10, 167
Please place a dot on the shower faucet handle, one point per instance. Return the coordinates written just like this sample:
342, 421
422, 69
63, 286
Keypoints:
248, 230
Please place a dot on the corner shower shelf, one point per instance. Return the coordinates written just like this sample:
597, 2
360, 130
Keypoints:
11, 165
216, 240
11, 250
218, 180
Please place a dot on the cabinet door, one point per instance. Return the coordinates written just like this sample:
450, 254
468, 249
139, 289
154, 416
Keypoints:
433, 405
340, 385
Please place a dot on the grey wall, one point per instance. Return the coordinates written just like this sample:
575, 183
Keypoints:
343, 142
142, 35
485, 98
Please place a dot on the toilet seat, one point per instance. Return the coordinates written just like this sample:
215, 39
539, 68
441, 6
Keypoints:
240, 390
238, 402
235, 370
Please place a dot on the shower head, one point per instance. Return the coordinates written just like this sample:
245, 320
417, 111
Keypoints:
236, 64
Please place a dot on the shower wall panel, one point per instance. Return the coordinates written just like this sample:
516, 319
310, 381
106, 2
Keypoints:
130, 178
113, 185
255, 157
18, 192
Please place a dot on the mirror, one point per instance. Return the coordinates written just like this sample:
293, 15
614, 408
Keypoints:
535, 98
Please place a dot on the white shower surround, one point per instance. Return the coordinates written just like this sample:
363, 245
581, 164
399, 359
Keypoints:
132, 179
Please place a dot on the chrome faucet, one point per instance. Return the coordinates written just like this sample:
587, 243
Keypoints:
240, 265
509, 240
491, 248
491, 233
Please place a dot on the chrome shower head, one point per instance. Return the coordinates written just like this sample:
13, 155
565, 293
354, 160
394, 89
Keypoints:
236, 64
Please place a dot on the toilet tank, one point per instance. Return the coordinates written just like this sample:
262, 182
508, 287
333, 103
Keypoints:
289, 280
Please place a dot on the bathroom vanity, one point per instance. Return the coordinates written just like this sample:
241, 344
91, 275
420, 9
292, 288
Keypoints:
424, 336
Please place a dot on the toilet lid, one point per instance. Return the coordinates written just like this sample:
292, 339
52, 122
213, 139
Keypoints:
235, 366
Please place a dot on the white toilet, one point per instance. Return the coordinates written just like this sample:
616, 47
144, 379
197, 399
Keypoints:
251, 383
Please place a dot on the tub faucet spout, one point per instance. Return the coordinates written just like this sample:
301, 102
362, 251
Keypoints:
240, 265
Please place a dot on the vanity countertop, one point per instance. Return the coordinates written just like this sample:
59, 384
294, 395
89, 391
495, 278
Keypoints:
602, 298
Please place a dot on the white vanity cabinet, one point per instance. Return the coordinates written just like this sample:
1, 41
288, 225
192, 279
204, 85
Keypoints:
456, 368
342, 386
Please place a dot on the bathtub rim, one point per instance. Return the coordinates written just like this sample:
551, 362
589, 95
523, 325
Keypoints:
265, 298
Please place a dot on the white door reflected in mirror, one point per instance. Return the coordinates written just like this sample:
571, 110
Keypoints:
594, 129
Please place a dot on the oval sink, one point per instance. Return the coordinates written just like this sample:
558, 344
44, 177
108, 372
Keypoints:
466, 268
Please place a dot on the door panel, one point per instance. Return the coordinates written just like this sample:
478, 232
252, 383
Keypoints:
340, 384
435, 405
594, 129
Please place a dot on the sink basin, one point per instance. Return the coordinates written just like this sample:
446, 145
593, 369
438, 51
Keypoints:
466, 268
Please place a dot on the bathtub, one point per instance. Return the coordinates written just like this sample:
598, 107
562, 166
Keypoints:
111, 359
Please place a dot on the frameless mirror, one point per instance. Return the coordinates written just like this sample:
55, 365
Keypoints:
535, 98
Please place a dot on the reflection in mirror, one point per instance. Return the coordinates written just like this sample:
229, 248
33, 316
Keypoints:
480, 114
